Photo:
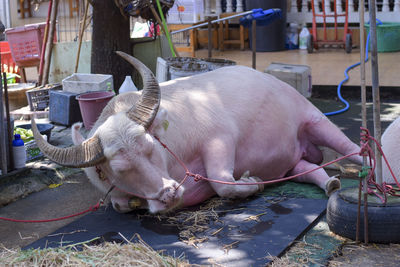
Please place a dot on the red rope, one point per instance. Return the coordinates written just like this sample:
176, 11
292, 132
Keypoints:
383, 189
365, 151
198, 177
91, 209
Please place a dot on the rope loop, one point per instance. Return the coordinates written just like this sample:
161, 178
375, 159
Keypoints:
97, 206
197, 177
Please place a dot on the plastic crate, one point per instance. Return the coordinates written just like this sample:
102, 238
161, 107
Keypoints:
39, 98
388, 36
26, 43
7, 62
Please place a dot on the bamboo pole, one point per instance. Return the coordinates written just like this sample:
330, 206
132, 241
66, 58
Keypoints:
375, 89
46, 35
82, 29
49, 44
363, 183
164, 29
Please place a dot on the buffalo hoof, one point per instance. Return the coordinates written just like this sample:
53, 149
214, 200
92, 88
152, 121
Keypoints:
332, 185
246, 175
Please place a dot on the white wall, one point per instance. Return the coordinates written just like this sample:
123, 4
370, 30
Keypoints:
5, 13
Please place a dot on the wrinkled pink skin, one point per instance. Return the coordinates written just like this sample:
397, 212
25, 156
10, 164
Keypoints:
221, 124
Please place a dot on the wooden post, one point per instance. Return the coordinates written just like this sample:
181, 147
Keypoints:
49, 44
9, 136
82, 29
254, 40
363, 183
45, 37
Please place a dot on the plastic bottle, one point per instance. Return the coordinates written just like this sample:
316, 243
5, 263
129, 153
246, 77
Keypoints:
127, 85
303, 38
292, 36
19, 152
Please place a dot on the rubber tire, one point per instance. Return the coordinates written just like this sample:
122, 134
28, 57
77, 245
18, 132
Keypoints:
310, 44
349, 43
383, 222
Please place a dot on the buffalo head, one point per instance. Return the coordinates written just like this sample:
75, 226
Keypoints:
122, 152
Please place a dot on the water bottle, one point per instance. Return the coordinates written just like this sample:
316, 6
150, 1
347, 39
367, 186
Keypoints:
303, 38
19, 152
127, 85
292, 36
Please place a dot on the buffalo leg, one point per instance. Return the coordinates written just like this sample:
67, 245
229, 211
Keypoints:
318, 177
219, 163
324, 133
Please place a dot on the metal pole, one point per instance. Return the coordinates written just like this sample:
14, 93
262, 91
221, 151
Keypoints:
213, 21
3, 151
209, 38
375, 88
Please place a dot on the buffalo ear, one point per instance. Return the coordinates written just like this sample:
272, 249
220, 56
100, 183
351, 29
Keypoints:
77, 137
160, 124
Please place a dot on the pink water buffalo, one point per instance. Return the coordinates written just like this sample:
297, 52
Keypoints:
232, 124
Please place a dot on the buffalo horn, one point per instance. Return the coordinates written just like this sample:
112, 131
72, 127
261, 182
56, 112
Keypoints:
87, 154
146, 108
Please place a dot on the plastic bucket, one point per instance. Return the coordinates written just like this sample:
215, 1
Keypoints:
387, 35
178, 70
91, 105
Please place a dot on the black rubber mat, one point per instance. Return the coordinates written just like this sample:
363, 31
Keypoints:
236, 233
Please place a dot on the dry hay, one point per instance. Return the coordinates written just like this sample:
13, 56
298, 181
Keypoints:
190, 223
106, 254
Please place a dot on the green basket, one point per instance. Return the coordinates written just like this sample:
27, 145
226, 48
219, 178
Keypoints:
388, 36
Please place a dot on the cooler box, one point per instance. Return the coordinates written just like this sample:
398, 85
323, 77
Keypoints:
298, 76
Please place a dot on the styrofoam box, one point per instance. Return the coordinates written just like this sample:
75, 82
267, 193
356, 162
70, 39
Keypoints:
186, 11
86, 82
298, 76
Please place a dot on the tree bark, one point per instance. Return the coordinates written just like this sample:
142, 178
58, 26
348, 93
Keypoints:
111, 32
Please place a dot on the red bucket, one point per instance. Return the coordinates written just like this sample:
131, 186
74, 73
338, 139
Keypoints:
91, 105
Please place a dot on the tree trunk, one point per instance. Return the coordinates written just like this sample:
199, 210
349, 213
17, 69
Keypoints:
111, 32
